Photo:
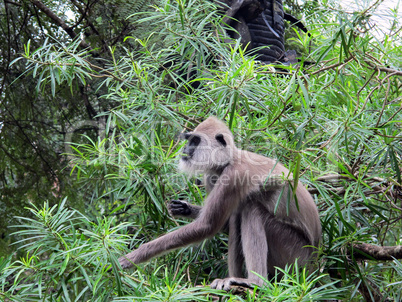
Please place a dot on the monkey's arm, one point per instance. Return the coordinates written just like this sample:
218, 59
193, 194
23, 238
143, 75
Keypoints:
219, 205
184, 209
181, 208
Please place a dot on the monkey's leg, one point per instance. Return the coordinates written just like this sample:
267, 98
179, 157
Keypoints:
181, 208
255, 245
286, 244
235, 253
255, 250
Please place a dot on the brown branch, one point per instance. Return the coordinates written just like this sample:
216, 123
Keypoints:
84, 15
374, 252
13, 3
329, 177
384, 69
69, 30
347, 60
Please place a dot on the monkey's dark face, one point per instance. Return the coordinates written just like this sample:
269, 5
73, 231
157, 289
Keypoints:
204, 152
193, 141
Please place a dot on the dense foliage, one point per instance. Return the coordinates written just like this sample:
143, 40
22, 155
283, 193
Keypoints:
89, 145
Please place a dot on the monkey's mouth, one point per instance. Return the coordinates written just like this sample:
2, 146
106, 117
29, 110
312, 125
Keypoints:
185, 157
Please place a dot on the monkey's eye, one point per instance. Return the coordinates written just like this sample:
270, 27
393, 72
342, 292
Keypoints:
219, 137
194, 140
186, 136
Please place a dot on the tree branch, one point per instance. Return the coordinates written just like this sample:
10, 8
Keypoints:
13, 3
69, 30
367, 251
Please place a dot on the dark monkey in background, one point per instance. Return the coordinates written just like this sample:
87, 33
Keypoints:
249, 193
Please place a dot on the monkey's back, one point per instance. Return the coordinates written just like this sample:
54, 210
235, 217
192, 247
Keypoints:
271, 184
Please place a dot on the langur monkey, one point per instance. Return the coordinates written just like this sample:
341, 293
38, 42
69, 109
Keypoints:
253, 196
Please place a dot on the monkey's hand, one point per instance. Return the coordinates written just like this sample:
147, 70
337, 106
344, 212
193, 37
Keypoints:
125, 263
130, 259
181, 208
226, 283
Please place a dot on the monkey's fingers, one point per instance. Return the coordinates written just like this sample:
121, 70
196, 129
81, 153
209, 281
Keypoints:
178, 207
175, 202
124, 262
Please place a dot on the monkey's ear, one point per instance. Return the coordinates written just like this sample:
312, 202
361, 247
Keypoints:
219, 137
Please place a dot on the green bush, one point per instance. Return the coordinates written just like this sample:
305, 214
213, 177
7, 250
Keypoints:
336, 123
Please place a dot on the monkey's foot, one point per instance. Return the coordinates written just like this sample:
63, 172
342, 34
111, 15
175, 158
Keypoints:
226, 283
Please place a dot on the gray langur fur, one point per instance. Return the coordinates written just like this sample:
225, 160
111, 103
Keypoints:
249, 193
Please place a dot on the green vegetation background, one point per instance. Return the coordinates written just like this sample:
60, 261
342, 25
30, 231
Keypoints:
88, 144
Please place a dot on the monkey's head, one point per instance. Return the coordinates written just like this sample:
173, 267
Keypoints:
209, 147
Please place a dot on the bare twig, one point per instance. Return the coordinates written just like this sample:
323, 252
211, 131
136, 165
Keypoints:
69, 30
341, 64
